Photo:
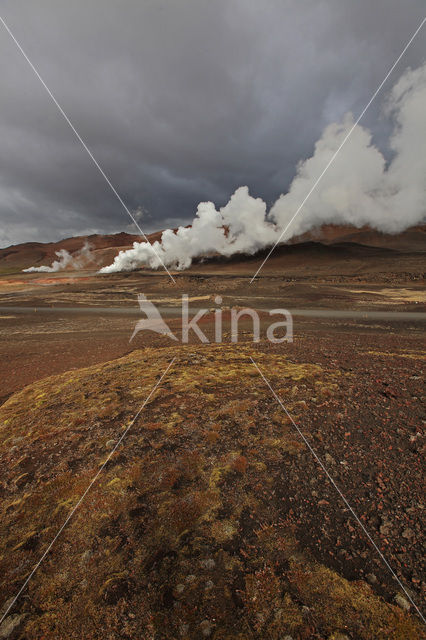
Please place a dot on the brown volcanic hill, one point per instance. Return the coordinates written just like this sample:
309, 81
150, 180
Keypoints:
20, 256
334, 252
105, 247
316, 261
412, 239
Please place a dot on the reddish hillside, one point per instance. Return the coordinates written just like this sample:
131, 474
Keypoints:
105, 247
21, 256
413, 239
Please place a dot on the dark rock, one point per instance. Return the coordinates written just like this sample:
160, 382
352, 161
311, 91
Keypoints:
115, 589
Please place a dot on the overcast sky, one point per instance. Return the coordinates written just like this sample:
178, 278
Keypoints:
180, 101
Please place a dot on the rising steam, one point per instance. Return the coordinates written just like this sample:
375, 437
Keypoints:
78, 260
360, 188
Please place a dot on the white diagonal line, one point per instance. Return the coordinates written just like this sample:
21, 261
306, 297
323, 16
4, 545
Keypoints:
318, 459
92, 482
96, 163
340, 146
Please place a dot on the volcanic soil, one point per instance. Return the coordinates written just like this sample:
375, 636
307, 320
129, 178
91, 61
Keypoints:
213, 517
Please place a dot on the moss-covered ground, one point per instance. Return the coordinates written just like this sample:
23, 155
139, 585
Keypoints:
184, 534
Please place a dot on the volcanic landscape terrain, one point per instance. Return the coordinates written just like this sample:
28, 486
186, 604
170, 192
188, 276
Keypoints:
218, 515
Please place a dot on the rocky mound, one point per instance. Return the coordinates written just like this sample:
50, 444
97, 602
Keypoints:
193, 529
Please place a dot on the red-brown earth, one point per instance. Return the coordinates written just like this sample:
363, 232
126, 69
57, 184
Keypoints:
104, 247
213, 518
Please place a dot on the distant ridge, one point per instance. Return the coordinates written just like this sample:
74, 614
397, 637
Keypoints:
105, 247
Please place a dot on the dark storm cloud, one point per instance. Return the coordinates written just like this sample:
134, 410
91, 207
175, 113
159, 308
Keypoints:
179, 101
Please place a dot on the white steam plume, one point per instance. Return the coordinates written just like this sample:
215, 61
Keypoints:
360, 188
78, 260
